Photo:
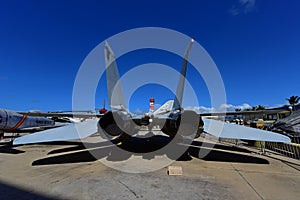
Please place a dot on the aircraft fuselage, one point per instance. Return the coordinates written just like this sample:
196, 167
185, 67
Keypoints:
11, 121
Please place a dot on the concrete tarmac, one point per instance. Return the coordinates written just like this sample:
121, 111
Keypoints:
66, 170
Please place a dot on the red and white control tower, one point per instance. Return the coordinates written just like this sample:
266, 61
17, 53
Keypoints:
151, 104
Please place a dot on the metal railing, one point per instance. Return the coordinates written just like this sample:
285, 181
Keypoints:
291, 150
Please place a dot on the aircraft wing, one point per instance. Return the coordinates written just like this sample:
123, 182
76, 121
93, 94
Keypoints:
235, 131
40, 128
68, 132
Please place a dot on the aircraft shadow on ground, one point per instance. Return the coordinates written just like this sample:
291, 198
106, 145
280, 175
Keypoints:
13, 192
148, 148
7, 149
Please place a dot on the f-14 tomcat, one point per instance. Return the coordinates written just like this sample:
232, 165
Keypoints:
119, 123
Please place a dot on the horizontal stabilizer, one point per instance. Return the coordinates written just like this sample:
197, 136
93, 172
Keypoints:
70, 132
235, 131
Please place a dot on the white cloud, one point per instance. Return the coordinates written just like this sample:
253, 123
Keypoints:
248, 5
139, 112
230, 107
234, 11
200, 109
278, 105
222, 108
242, 6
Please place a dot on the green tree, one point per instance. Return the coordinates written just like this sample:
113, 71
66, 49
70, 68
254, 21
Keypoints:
293, 100
258, 107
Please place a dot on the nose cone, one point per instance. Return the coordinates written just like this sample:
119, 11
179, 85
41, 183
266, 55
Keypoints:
2, 119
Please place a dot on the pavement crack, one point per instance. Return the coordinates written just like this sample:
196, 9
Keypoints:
291, 165
128, 188
244, 178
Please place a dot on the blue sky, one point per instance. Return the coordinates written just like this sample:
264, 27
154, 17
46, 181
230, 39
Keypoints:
254, 43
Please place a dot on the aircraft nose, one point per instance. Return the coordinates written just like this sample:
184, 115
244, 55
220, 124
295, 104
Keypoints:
2, 119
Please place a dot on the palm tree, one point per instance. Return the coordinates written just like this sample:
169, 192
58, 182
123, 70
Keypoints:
258, 107
293, 100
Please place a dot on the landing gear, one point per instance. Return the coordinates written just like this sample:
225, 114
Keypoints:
1, 135
122, 139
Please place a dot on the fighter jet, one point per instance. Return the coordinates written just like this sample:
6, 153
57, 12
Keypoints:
34, 121
11, 121
120, 123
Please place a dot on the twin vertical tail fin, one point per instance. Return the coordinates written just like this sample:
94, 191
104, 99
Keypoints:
116, 96
180, 87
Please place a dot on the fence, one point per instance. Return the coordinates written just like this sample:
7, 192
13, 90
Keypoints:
288, 149
295, 139
291, 150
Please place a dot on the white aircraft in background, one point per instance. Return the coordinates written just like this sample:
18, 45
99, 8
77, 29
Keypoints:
11, 121
173, 120
33, 121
